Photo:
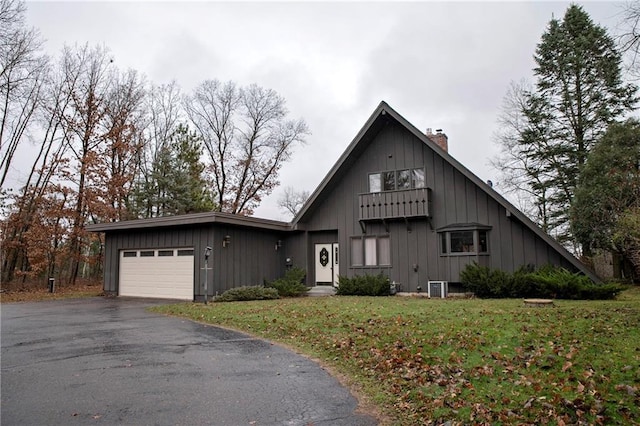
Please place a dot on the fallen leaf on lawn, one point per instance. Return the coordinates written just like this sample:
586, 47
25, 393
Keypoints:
631, 391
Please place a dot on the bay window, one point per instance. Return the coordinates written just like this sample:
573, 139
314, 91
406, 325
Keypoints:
466, 240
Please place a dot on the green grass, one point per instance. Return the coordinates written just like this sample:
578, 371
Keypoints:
470, 361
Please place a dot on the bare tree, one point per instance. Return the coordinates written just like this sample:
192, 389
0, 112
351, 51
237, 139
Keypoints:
247, 137
124, 143
630, 37
22, 76
38, 188
521, 178
91, 71
292, 201
164, 112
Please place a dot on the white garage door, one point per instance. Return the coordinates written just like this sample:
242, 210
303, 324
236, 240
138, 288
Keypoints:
163, 273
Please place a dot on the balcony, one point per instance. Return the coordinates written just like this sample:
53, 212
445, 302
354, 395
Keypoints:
390, 205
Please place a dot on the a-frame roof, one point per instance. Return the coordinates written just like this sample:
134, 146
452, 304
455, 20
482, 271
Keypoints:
381, 115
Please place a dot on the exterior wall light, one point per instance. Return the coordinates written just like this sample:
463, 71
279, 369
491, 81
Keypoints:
278, 244
226, 241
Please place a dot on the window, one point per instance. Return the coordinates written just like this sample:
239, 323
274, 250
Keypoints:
384, 251
482, 242
371, 251
370, 255
130, 254
165, 253
389, 181
147, 253
185, 252
417, 178
375, 182
396, 180
461, 242
404, 179
356, 252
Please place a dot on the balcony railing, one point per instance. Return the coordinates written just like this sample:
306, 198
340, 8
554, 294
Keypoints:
395, 204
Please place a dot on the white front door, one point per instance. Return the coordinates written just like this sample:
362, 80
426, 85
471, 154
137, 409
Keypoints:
327, 264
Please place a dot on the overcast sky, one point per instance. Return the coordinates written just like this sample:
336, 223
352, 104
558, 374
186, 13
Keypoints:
441, 65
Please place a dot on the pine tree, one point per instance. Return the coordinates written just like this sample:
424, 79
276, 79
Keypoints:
176, 184
578, 93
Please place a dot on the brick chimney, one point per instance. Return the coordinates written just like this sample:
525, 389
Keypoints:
439, 139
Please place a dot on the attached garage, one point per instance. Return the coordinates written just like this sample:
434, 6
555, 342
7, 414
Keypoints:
162, 273
164, 257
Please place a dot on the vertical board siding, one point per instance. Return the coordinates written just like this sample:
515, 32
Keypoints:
248, 260
455, 199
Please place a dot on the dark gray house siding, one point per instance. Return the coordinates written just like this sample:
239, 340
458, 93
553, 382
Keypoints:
252, 255
250, 259
388, 143
343, 211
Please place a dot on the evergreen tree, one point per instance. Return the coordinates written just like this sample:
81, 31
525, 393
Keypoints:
607, 200
578, 93
176, 184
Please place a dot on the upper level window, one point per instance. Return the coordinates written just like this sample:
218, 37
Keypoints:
375, 184
404, 179
417, 178
464, 241
395, 180
389, 179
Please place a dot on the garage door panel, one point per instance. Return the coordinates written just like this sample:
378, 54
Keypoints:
168, 277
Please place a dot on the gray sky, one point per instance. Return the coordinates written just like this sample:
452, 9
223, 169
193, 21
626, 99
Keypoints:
439, 64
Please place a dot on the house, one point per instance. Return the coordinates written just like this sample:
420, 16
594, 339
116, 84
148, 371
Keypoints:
395, 203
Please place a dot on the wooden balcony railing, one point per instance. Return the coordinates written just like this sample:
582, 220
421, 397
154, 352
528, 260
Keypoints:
395, 204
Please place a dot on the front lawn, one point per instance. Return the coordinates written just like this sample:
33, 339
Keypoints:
468, 361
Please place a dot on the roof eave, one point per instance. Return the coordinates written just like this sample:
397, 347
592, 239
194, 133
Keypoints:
191, 219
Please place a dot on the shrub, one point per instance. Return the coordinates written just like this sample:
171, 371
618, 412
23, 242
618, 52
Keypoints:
247, 293
364, 285
291, 285
486, 282
546, 282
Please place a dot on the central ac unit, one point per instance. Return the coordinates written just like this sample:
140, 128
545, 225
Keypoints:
438, 289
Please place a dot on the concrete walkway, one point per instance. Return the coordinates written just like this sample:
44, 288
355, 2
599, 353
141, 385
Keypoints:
322, 290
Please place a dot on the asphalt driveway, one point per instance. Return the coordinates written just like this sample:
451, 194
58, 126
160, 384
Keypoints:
108, 361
